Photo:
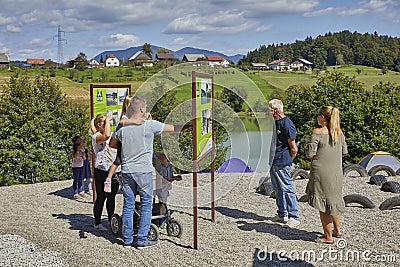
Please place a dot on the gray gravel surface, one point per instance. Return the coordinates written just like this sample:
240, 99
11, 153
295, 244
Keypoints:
41, 225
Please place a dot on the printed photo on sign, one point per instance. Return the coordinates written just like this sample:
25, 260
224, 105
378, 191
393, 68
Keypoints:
205, 121
114, 117
111, 97
208, 91
121, 96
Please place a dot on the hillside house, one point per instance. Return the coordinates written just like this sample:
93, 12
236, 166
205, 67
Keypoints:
278, 64
259, 66
217, 61
71, 62
141, 59
35, 62
94, 64
4, 60
193, 57
111, 61
301, 64
165, 57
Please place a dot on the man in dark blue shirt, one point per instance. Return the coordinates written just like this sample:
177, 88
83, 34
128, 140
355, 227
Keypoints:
283, 151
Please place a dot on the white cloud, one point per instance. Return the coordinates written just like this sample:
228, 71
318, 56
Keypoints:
6, 20
321, 12
227, 22
12, 28
264, 28
31, 17
40, 42
123, 40
353, 12
180, 41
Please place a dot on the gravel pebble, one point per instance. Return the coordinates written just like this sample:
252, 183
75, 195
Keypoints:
41, 225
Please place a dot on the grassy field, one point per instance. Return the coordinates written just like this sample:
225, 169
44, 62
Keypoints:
75, 84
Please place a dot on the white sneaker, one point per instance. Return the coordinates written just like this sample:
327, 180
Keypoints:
279, 219
100, 227
292, 223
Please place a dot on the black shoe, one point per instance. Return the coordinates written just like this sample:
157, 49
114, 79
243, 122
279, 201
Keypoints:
133, 244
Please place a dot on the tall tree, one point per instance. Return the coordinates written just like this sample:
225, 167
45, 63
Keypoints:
146, 48
81, 61
37, 126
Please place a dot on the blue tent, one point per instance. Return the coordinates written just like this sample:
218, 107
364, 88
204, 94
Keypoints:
380, 158
234, 165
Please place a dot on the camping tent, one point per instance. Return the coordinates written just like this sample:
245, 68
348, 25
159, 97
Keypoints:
234, 165
380, 158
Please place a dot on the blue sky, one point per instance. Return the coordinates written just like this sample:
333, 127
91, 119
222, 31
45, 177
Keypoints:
28, 28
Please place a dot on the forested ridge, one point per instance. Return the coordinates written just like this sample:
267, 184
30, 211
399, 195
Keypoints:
379, 51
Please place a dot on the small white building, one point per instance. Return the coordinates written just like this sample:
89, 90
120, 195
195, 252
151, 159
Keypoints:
94, 64
301, 64
112, 61
278, 64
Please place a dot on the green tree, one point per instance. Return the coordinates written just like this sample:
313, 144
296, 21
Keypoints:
81, 62
49, 64
333, 89
233, 97
37, 125
146, 48
162, 50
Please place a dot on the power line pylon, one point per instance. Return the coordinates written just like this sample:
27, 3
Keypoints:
60, 42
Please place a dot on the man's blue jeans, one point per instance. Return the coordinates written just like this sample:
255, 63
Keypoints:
133, 182
285, 196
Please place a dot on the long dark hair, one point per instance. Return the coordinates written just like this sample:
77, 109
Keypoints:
75, 143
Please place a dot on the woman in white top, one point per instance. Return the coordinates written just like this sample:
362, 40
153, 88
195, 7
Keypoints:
104, 157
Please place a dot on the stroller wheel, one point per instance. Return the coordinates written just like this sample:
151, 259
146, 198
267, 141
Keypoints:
174, 228
154, 233
116, 225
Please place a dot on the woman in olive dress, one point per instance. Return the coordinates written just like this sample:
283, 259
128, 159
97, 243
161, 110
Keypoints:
324, 189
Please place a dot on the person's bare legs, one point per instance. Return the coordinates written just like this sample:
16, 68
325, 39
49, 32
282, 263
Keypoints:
163, 210
326, 220
336, 225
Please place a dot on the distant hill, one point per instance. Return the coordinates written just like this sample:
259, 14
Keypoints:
127, 53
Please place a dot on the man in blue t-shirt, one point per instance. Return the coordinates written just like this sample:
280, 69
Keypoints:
136, 137
283, 151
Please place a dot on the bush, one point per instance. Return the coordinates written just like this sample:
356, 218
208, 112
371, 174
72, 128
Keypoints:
37, 125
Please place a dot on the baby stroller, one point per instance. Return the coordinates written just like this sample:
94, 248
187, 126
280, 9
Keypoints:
173, 226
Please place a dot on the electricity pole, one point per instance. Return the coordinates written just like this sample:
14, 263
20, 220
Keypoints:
60, 42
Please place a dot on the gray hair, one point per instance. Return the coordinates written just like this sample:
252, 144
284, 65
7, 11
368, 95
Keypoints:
136, 103
276, 104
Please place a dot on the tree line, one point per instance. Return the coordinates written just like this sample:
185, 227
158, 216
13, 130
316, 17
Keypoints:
334, 49
369, 119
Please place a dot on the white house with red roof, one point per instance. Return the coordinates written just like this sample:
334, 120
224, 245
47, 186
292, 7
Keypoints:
217, 61
111, 61
278, 64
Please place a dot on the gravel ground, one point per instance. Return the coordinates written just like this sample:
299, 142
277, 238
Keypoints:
41, 225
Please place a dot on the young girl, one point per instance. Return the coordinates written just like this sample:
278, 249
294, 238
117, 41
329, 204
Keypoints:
78, 157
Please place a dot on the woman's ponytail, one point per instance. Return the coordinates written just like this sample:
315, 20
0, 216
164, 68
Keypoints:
334, 124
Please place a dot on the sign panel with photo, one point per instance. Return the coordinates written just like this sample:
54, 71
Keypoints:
108, 99
204, 112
